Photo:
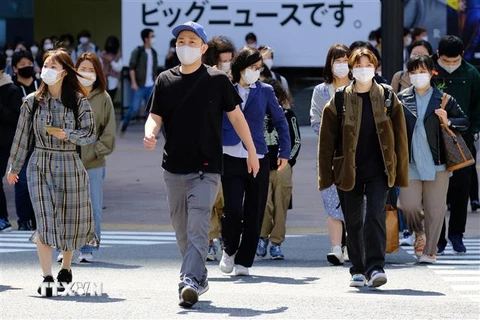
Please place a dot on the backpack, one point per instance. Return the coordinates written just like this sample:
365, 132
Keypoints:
339, 106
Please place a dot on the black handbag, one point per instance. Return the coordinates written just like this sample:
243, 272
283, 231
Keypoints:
457, 154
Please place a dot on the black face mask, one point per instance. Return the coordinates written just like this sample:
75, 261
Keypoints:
26, 72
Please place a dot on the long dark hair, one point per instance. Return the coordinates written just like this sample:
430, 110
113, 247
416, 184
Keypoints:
216, 46
101, 82
71, 87
112, 45
242, 60
336, 51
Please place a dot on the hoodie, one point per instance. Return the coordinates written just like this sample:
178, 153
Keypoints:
93, 155
10, 103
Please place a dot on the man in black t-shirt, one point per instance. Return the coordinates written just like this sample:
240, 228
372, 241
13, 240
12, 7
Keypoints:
189, 100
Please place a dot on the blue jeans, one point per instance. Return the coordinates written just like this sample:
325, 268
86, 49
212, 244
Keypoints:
23, 204
96, 176
143, 93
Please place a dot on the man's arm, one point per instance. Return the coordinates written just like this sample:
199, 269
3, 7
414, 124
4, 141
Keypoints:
152, 126
240, 125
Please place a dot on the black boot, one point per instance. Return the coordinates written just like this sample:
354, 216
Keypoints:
48, 287
64, 276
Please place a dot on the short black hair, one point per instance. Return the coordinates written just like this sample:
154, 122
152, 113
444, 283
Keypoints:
418, 31
3, 61
242, 60
251, 36
68, 37
450, 46
19, 55
83, 33
417, 62
112, 45
419, 43
368, 45
406, 31
145, 33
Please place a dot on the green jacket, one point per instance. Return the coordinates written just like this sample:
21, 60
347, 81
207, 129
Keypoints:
93, 155
464, 85
138, 62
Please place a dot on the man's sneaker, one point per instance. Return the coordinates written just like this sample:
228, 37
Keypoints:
346, 258
276, 252
406, 239
60, 257
227, 262
475, 205
203, 287
5, 226
358, 280
427, 258
262, 247
457, 243
25, 226
377, 278
335, 257
212, 253
241, 270
188, 293
48, 291
419, 244
85, 257
64, 276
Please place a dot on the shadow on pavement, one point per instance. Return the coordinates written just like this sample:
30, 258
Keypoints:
6, 288
263, 279
397, 292
104, 298
207, 307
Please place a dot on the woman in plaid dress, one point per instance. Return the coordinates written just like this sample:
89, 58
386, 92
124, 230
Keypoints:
57, 180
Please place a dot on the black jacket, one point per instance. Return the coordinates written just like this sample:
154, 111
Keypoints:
10, 103
459, 122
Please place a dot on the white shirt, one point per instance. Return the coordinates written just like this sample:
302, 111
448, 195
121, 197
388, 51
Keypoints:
238, 150
149, 79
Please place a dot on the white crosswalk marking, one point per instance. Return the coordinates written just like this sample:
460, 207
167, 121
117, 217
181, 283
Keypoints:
17, 241
460, 271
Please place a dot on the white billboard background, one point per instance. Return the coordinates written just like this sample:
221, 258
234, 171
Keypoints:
301, 41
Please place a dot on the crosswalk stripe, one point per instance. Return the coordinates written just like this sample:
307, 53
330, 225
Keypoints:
462, 279
466, 287
455, 271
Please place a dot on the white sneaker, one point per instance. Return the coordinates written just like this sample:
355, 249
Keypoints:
60, 257
85, 257
406, 239
335, 257
346, 258
358, 280
427, 258
227, 262
212, 253
241, 270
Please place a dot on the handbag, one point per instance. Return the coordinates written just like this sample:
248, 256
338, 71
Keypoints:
391, 223
457, 154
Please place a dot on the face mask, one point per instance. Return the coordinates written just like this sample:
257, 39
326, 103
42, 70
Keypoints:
26, 72
373, 43
9, 52
47, 46
250, 76
425, 38
87, 82
225, 66
188, 55
83, 40
448, 68
34, 50
340, 70
420, 80
409, 42
252, 45
268, 63
364, 75
152, 41
49, 76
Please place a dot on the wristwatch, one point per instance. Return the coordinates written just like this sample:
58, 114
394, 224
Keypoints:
449, 123
475, 136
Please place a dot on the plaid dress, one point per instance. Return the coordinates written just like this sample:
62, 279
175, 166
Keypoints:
57, 180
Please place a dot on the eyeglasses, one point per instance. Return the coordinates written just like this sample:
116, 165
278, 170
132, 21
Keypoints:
256, 68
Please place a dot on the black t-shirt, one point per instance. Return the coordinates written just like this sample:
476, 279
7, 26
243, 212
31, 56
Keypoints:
193, 129
368, 156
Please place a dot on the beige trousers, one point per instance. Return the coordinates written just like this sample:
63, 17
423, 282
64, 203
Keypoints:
423, 203
217, 212
278, 200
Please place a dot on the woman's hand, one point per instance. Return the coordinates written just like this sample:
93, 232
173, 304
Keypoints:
61, 135
442, 114
282, 163
12, 178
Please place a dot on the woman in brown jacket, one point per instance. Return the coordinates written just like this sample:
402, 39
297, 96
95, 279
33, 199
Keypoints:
370, 157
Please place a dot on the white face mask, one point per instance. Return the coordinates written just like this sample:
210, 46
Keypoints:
83, 40
448, 68
252, 45
9, 52
47, 46
188, 55
409, 42
250, 76
373, 42
268, 63
364, 75
152, 41
34, 50
340, 70
88, 80
425, 38
49, 76
420, 80
225, 66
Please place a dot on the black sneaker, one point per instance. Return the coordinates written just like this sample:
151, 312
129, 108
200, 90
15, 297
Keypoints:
64, 276
188, 293
475, 205
203, 287
457, 243
5, 226
47, 288
25, 226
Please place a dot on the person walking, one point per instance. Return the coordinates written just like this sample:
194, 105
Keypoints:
363, 151
112, 64
58, 118
194, 96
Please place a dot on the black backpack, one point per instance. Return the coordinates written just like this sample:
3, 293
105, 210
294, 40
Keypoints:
339, 106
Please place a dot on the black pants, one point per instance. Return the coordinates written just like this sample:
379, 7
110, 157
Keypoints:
366, 241
4, 155
245, 199
112, 93
474, 182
